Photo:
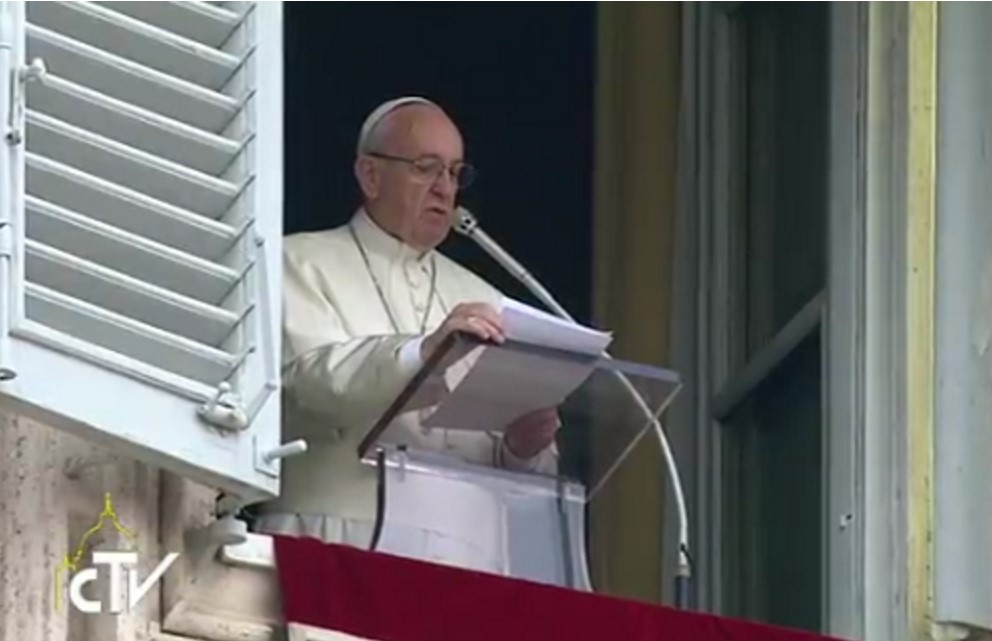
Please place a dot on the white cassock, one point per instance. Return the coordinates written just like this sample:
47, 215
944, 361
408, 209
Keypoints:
350, 345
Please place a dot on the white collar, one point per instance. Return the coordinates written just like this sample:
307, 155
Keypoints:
378, 241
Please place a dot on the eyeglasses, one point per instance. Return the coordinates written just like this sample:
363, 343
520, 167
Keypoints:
428, 169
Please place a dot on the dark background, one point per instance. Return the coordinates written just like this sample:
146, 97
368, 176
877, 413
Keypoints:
517, 79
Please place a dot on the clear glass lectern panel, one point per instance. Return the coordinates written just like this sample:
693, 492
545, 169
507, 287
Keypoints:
470, 391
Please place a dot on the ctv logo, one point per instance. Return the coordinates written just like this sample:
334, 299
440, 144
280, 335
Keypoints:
120, 564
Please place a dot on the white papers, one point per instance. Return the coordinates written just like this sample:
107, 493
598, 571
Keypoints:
528, 324
493, 386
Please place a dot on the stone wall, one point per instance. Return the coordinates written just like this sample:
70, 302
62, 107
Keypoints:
52, 490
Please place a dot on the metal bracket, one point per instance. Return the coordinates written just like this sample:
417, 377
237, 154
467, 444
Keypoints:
267, 462
256, 552
6, 239
953, 632
225, 410
202, 543
402, 459
227, 505
34, 72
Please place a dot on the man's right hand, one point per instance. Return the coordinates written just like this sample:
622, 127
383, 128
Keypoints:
478, 319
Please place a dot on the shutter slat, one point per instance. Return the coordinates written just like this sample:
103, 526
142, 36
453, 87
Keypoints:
132, 125
56, 342
123, 294
139, 257
160, 178
194, 19
126, 209
130, 81
127, 336
136, 40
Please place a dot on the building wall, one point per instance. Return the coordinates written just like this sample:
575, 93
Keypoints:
52, 488
48, 498
962, 490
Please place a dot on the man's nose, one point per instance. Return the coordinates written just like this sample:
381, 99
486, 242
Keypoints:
445, 184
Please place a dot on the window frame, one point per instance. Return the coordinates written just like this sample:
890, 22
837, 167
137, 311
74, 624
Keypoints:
740, 370
869, 582
707, 293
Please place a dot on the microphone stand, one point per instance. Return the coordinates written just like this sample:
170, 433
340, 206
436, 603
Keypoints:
467, 225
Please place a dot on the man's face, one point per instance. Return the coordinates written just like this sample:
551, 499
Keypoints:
413, 190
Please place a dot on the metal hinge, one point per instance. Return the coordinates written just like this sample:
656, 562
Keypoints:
34, 72
6, 239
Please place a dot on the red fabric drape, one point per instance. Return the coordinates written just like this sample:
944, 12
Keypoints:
388, 598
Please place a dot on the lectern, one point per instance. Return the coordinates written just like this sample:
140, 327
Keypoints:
525, 525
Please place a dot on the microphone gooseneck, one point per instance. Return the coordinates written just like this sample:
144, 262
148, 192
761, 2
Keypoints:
466, 224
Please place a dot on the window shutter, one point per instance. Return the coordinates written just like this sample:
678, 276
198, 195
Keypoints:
143, 229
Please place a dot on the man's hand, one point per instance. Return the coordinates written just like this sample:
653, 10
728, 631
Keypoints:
530, 434
479, 319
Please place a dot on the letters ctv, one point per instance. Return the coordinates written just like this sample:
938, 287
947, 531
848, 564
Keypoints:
119, 567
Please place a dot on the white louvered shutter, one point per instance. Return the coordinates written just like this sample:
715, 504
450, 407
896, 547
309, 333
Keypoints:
143, 225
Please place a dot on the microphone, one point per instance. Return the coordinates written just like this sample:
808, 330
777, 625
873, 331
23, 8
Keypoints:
466, 224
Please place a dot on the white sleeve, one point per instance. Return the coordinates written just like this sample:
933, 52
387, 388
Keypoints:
545, 462
350, 380
410, 355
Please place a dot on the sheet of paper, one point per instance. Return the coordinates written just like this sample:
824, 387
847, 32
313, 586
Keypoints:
531, 325
493, 386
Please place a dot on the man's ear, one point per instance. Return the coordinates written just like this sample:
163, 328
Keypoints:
367, 175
